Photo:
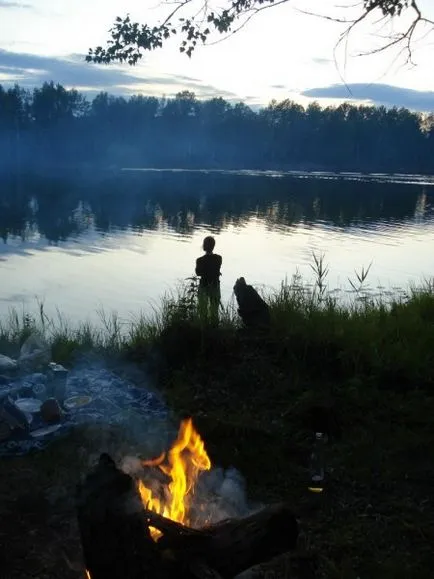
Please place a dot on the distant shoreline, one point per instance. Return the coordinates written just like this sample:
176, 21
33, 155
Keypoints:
284, 172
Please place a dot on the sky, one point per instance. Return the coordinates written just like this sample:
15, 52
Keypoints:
281, 53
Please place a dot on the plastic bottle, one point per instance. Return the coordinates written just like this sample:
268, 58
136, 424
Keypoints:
57, 382
317, 464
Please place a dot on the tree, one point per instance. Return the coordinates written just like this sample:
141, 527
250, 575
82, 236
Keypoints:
53, 103
129, 40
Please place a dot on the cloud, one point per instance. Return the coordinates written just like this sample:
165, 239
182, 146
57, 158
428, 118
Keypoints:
379, 94
30, 70
7, 4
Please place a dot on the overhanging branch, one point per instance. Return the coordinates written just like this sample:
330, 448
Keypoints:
130, 40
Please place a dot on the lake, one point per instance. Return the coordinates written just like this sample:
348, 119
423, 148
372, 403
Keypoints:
119, 240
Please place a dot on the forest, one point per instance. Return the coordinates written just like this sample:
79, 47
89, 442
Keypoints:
53, 126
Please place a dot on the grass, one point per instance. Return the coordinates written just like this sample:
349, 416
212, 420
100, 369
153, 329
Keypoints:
363, 369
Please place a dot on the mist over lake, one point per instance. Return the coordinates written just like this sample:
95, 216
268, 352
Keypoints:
120, 239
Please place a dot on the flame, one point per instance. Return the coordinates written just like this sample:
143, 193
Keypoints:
88, 574
183, 464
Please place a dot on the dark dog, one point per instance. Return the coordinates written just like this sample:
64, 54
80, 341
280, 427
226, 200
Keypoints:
252, 309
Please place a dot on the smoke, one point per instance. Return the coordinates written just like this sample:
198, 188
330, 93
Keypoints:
217, 495
220, 494
129, 436
131, 465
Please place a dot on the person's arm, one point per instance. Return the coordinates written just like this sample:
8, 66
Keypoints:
199, 269
220, 261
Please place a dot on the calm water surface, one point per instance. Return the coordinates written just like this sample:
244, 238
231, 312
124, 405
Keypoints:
119, 241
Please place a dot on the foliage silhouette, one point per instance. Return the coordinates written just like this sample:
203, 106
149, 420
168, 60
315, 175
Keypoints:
129, 40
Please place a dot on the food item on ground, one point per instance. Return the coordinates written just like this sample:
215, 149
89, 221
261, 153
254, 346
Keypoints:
77, 401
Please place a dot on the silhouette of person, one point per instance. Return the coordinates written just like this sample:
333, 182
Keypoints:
208, 269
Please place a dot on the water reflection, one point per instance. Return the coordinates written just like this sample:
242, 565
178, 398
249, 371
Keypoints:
63, 209
51, 211
120, 240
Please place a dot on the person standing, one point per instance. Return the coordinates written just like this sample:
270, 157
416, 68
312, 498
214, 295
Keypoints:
208, 270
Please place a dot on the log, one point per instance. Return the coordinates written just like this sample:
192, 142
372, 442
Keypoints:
114, 530
241, 544
115, 538
233, 545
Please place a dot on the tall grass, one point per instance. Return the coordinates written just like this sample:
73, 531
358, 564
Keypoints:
64, 338
392, 336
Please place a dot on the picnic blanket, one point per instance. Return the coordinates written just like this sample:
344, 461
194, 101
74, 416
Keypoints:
93, 395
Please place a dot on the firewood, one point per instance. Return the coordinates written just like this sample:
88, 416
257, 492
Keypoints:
234, 545
117, 542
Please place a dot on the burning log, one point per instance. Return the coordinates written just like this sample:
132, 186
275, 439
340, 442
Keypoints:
116, 541
233, 545
116, 534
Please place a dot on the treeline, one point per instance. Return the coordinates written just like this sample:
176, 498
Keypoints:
53, 126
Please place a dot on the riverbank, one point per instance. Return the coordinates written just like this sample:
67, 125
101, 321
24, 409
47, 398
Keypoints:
363, 372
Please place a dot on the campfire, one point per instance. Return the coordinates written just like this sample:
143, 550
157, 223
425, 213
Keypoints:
156, 523
182, 465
